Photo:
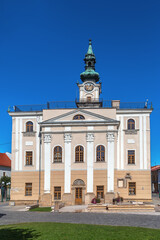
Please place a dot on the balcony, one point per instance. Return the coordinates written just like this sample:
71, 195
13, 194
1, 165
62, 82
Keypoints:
74, 104
89, 102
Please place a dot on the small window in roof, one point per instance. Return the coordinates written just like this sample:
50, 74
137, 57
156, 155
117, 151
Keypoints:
78, 117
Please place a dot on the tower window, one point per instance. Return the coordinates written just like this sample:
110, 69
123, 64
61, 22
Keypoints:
88, 99
89, 64
78, 117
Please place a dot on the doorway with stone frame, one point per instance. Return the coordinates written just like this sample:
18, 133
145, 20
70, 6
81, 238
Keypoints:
78, 192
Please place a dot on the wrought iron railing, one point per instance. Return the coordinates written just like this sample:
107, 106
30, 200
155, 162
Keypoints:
72, 104
89, 100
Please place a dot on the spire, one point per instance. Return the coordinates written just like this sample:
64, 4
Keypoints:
90, 51
90, 60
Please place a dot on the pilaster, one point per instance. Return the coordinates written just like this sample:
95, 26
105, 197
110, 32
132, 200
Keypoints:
90, 152
67, 173
110, 166
47, 162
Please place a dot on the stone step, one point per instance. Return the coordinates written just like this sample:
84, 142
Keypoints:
121, 207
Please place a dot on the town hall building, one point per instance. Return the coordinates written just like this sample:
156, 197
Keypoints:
73, 154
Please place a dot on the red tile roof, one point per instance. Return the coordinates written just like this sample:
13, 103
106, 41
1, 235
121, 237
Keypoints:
154, 168
5, 160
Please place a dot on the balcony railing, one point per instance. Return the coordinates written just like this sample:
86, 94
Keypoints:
73, 104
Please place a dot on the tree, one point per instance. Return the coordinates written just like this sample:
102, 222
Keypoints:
5, 180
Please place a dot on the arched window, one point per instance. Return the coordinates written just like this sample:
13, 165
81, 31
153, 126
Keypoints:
78, 117
100, 153
79, 154
131, 124
57, 154
29, 126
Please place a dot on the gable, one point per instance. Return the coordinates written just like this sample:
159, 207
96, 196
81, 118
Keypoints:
88, 117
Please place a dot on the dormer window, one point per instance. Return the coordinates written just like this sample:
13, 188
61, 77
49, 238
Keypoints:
78, 117
29, 126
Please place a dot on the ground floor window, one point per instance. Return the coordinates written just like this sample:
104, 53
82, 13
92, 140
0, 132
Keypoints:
100, 192
57, 193
132, 188
28, 189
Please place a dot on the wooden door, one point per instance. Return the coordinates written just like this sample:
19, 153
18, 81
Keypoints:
78, 196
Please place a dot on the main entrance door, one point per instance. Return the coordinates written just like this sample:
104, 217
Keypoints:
78, 196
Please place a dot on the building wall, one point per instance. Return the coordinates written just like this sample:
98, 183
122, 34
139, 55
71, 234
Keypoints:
54, 173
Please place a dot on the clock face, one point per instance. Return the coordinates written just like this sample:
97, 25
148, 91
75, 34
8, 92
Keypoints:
88, 87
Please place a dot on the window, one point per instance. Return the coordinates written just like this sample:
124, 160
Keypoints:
100, 192
131, 124
29, 158
79, 152
57, 154
57, 193
78, 117
29, 127
4, 174
28, 189
132, 188
88, 99
131, 156
100, 153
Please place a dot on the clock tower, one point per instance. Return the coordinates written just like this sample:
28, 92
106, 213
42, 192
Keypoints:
90, 89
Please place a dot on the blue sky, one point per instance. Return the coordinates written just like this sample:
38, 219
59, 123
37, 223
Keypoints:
43, 43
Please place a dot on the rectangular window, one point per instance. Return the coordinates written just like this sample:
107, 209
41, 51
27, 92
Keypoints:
29, 158
57, 193
131, 156
28, 189
88, 99
100, 192
132, 188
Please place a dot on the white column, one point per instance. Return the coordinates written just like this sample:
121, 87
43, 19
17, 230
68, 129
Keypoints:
39, 119
67, 164
122, 142
47, 162
141, 141
20, 145
16, 144
110, 166
145, 141
90, 152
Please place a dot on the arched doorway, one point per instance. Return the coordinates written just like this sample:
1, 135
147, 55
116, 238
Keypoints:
78, 191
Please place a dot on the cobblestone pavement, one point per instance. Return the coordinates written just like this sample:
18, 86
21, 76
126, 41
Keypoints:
151, 220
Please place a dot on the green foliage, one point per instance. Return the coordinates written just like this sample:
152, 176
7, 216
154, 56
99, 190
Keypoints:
98, 200
41, 209
67, 231
5, 179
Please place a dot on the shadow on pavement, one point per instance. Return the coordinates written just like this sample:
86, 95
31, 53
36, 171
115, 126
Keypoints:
1, 215
18, 233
